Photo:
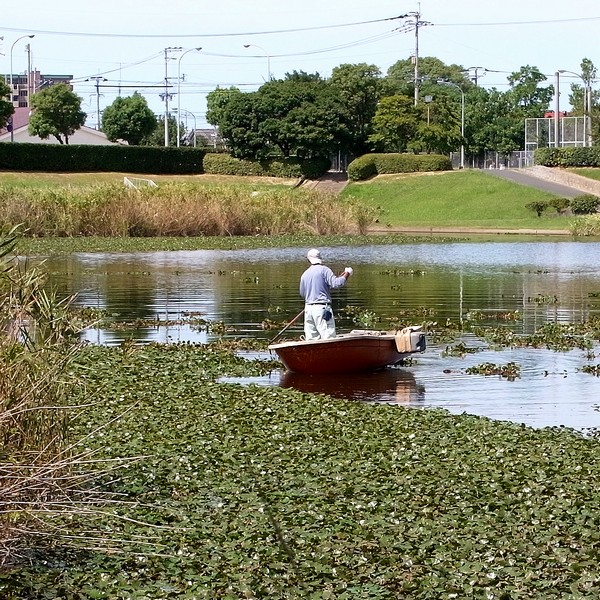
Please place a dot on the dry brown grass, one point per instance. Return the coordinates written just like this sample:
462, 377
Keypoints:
177, 209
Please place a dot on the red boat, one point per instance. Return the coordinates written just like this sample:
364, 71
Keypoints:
359, 350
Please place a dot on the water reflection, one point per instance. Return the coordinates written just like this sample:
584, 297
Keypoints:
541, 282
395, 385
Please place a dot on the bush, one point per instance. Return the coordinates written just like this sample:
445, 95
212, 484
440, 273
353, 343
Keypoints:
559, 204
368, 165
538, 207
585, 204
586, 225
225, 164
362, 168
568, 157
88, 158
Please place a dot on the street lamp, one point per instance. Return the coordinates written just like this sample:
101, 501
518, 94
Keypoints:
187, 112
266, 54
462, 118
11, 76
179, 89
587, 104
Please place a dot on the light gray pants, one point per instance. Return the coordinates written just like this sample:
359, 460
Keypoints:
315, 326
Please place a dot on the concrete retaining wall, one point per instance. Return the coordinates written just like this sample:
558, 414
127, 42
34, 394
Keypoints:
556, 175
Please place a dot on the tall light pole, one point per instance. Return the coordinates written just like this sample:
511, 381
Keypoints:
187, 112
179, 89
587, 104
266, 54
462, 118
11, 76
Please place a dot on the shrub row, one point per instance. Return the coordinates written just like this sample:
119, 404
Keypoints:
586, 204
568, 157
74, 158
149, 159
224, 164
368, 165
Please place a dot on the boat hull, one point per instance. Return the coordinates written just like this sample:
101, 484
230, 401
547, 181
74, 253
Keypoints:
350, 353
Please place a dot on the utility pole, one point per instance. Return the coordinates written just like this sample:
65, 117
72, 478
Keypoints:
166, 96
417, 23
475, 71
97, 79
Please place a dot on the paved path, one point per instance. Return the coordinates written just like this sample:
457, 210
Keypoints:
332, 181
528, 177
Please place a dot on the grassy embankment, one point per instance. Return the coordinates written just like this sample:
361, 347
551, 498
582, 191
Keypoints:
465, 199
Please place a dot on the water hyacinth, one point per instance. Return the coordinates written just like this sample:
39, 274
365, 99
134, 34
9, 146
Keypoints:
260, 492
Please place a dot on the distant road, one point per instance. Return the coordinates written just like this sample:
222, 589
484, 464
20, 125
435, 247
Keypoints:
521, 177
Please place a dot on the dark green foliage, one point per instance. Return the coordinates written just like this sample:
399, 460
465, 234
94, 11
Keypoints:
224, 164
537, 207
128, 119
559, 204
368, 165
585, 204
568, 157
6, 107
74, 158
56, 112
272, 493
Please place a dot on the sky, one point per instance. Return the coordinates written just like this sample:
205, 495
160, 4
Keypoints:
123, 46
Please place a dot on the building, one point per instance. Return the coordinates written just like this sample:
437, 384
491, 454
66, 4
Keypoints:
20, 133
26, 84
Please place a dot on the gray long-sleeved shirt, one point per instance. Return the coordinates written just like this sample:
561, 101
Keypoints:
316, 282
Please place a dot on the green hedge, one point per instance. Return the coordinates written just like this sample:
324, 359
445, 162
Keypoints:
224, 164
81, 158
148, 159
568, 157
368, 165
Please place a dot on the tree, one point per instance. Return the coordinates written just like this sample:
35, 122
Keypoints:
6, 107
216, 102
157, 136
401, 75
57, 112
299, 115
395, 124
529, 99
128, 119
359, 87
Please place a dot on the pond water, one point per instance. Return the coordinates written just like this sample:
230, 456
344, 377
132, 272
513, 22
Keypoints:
248, 291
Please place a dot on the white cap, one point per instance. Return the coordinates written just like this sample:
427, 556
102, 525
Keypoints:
314, 257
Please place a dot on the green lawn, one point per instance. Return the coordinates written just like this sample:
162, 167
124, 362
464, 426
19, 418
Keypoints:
42, 179
589, 172
454, 199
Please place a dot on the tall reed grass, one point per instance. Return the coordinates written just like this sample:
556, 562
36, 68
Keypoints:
36, 462
179, 210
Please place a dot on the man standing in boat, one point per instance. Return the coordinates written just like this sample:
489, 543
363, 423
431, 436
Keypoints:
315, 285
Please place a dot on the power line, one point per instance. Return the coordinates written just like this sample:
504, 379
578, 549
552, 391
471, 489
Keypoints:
510, 23
195, 35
